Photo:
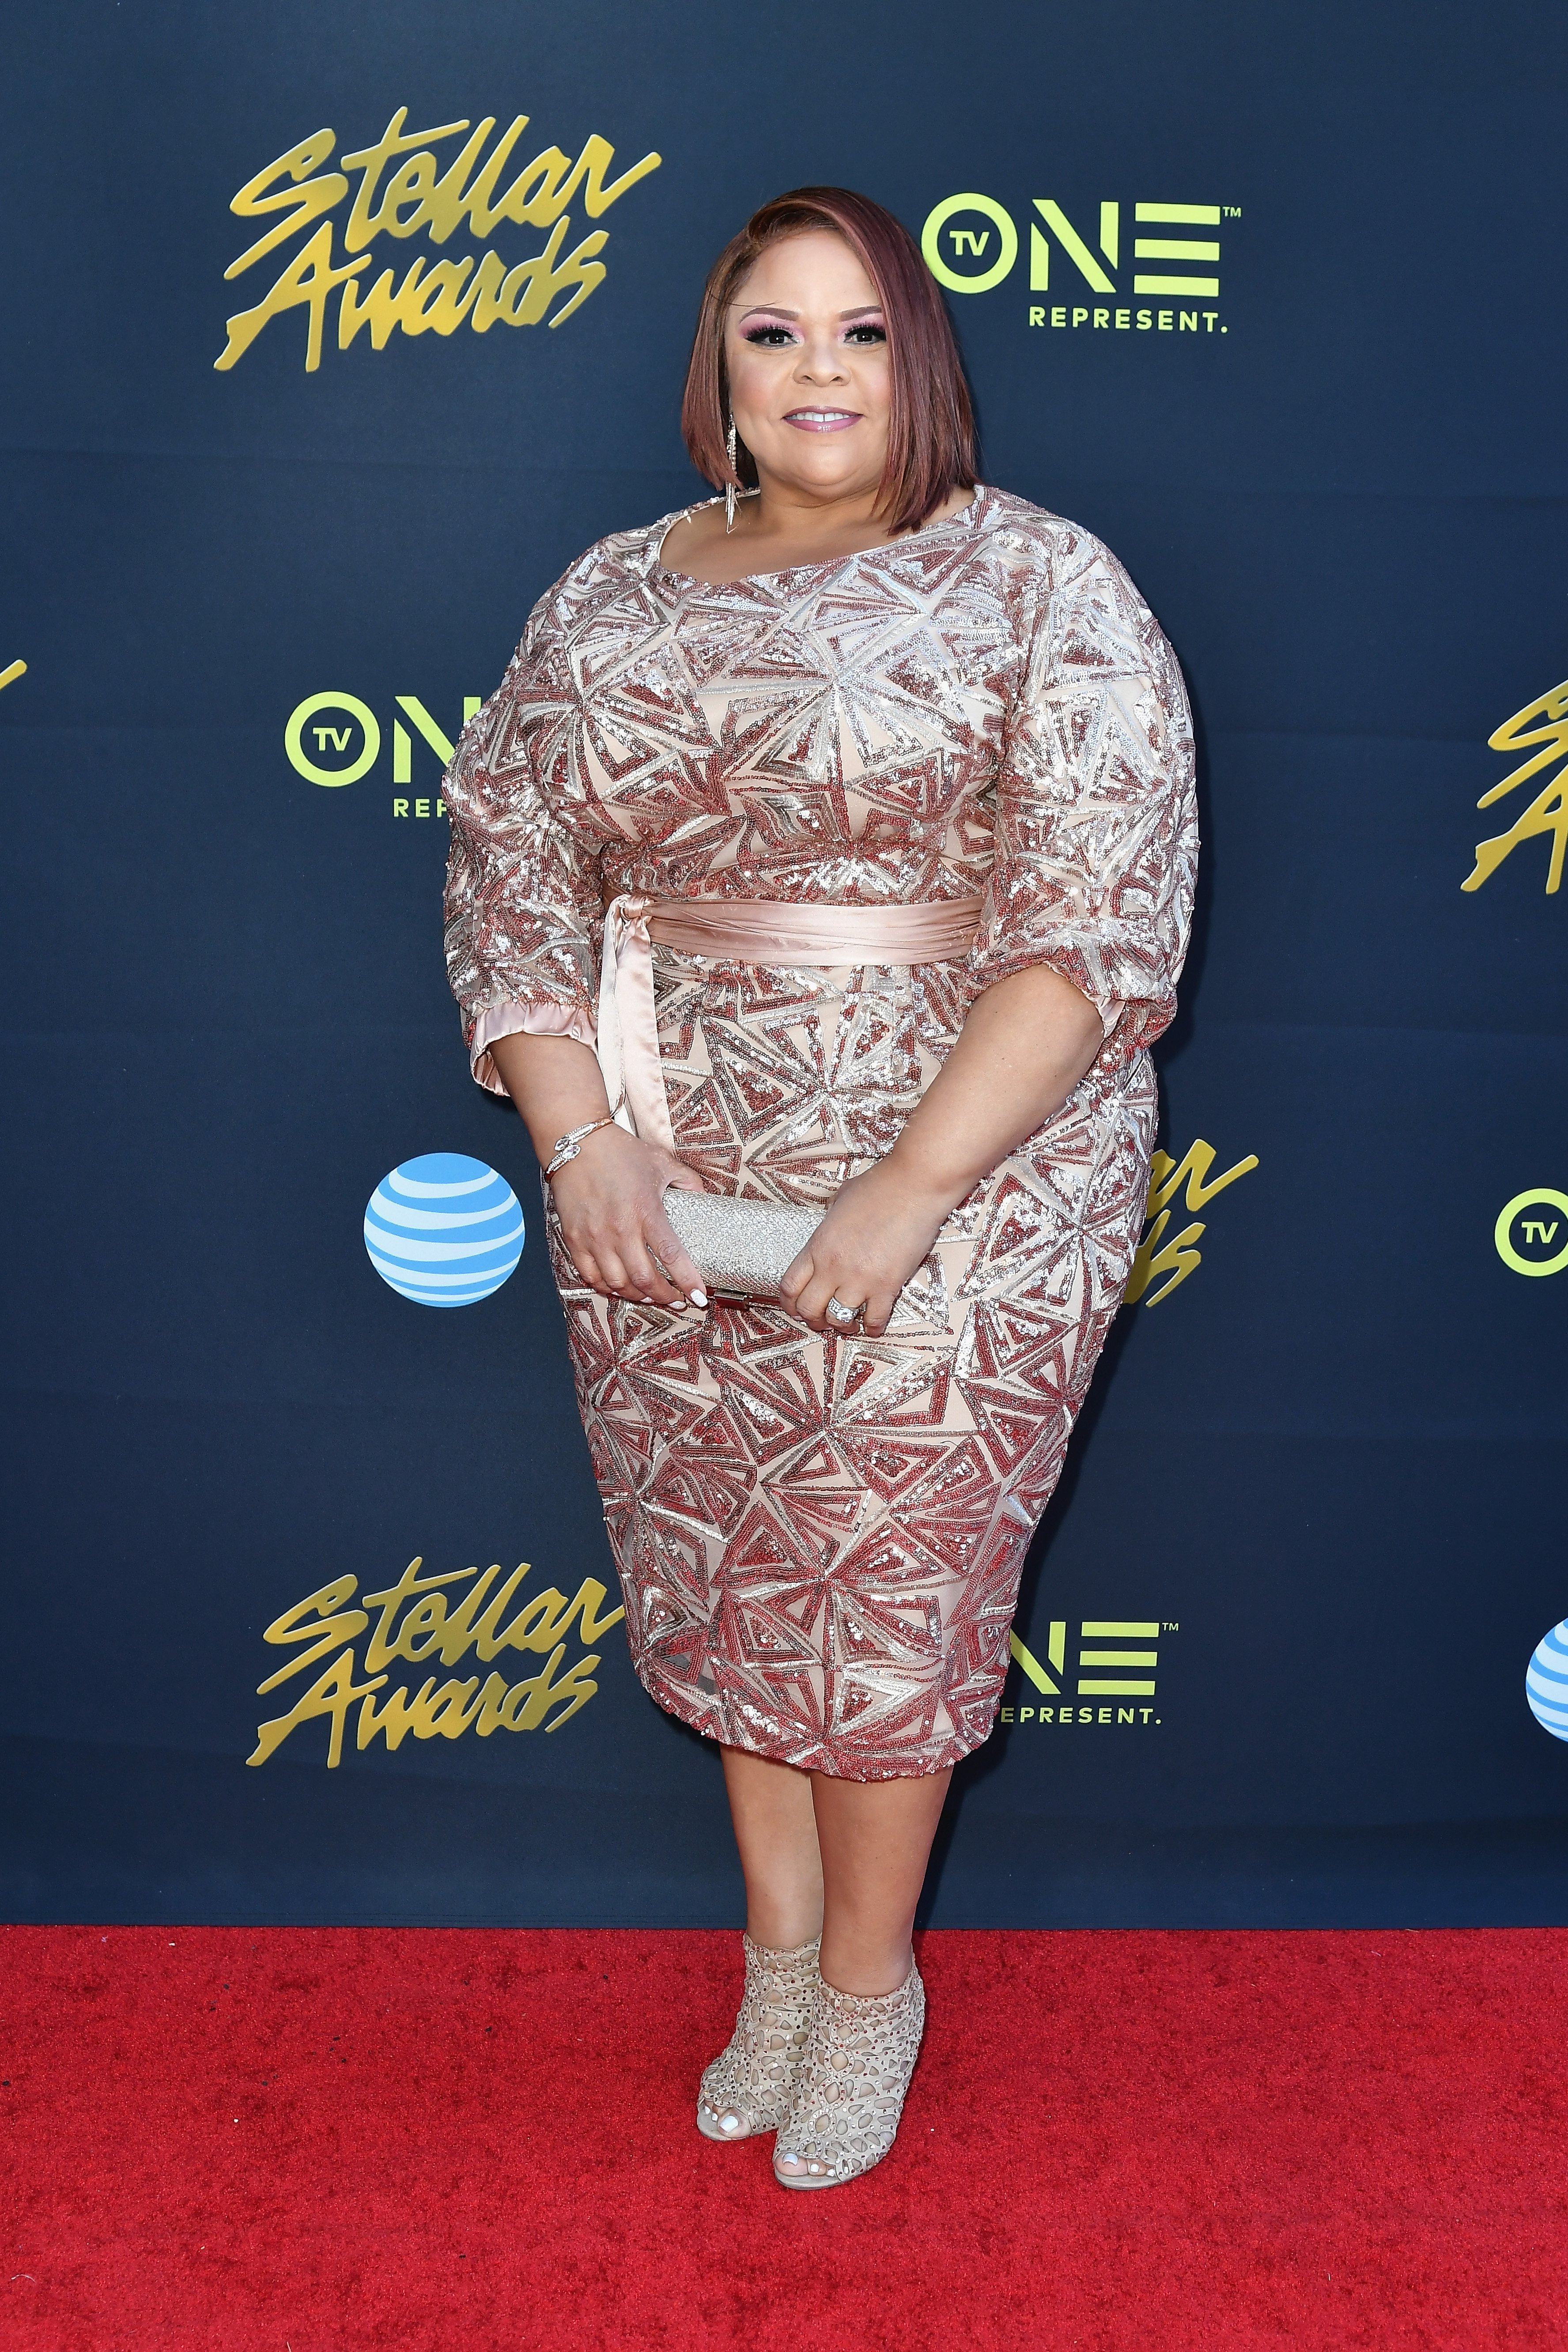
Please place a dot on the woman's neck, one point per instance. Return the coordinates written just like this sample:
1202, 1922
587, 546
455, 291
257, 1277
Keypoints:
776, 530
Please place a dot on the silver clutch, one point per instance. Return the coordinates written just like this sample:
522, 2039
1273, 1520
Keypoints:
742, 1249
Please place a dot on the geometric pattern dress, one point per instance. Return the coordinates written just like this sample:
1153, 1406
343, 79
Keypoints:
820, 1538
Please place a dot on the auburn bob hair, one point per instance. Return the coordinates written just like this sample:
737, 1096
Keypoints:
930, 434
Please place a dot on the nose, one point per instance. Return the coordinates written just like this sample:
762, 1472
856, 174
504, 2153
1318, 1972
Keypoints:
821, 361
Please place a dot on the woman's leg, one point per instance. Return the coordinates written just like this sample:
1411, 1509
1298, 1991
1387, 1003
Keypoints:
845, 1858
873, 1837
775, 1829
848, 1859
749, 2085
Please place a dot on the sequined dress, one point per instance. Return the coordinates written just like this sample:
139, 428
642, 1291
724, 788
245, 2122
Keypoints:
819, 1539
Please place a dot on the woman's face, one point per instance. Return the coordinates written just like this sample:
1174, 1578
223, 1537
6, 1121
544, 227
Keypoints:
806, 346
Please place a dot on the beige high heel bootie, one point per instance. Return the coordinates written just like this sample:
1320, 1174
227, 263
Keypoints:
749, 2085
850, 2092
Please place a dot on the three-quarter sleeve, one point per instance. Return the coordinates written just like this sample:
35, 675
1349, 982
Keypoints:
523, 911
1096, 820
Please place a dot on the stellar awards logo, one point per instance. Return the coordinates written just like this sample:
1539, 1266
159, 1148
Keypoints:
1177, 1258
1540, 726
403, 189
971, 246
415, 1625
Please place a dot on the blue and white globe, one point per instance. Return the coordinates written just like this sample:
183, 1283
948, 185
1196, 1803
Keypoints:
444, 1229
1546, 1682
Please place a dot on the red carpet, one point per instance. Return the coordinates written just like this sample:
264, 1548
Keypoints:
250, 2139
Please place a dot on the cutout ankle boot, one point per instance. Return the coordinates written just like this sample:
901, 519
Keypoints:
748, 2087
850, 2092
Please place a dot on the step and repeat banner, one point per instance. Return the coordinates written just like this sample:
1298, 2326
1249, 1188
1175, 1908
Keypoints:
334, 333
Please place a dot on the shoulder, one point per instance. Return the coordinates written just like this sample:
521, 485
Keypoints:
1070, 584
612, 573
1045, 549
618, 563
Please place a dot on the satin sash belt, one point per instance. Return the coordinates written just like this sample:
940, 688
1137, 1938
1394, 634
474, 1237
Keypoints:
741, 931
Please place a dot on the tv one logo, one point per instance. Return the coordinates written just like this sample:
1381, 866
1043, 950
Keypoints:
334, 739
1163, 278
1113, 1684
1531, 1234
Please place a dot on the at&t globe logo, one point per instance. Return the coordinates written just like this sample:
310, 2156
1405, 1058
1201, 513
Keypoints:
444, 1229
1546, 1682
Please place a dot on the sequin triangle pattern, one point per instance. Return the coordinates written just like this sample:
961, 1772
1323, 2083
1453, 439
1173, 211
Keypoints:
820, 1540
988, 708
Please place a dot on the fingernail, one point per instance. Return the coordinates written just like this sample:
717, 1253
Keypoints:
699, 1299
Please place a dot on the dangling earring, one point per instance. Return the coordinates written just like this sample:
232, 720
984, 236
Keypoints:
730, 485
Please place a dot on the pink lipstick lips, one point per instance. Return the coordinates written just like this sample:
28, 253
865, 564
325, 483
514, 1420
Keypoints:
822, 420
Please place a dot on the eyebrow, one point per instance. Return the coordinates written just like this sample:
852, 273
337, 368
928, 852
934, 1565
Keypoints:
777, 311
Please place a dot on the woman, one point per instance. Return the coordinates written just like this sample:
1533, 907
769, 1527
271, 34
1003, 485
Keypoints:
923, 754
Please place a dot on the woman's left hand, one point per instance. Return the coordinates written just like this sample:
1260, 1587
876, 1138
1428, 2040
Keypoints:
1025, 1046
878, 1230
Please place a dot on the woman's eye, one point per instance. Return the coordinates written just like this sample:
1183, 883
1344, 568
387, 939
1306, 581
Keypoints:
866, 335
773, 336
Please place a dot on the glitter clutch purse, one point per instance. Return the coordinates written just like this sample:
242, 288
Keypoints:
740, 1248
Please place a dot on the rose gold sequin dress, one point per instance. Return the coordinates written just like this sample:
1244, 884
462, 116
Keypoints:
819, 1539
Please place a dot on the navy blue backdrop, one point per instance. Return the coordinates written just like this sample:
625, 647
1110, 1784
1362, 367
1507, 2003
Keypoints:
1317, 1492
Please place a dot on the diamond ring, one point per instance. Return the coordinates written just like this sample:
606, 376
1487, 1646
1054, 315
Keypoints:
839, 1313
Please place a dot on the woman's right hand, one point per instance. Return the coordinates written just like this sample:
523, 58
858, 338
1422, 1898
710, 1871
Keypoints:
610, 1202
